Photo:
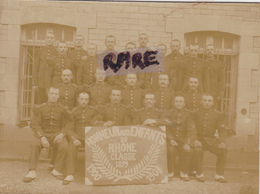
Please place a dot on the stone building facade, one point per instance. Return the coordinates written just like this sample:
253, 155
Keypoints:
235, 28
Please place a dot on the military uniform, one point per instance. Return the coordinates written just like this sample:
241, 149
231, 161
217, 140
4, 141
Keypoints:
68, 94
180, 128
192, 99
39, 71
207, 122
86, 72
145, 113
99, 94
54, 70
76, 55
80, 117
49, 120
118, 113
132, 96
216, 71
194, 68
164, 98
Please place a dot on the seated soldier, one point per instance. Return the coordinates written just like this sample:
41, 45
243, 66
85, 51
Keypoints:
115, 113
68, 90
131, 94
208, 121
49, 127
180, 135
164, 95
81, 116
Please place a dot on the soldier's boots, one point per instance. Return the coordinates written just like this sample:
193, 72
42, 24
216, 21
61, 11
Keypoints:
30, 176
220, 179
58, 175
68, 179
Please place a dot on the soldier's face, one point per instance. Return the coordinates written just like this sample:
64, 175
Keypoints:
175, 46
179, 102
162, 49
186, 53
207, 102
115, 96
79, 41
83, 99
53, 95
110, 43
49, 39
149, 100
210, 51
143, 40
193, 83
62, 48
92, 49
130, 47
163, 80
66, 76
100, 75
194, 51
131, 79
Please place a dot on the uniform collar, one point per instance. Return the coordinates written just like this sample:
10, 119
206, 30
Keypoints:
52, 104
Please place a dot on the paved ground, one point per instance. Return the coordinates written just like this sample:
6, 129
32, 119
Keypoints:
12, 173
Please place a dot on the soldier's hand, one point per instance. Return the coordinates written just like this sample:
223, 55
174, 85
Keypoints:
197, 143
186, 148
173, 143
35, 88
45, 142
108, 124
58, 138
77, 142
149, 122
222, 145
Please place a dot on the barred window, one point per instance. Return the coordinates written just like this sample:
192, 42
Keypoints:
32, 40
226, 50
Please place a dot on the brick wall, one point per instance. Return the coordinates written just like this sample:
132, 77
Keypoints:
161, 21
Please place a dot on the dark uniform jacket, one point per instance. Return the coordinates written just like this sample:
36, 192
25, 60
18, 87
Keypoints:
180, 126
68, 95
207, 122
117, 113
86, 71
192, 99
54, 70
76, 56
216, 70
146, 113
80, 117
41, 64
99, 94
49, 120
132, 96
164, 98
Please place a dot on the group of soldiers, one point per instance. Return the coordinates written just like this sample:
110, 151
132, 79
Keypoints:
74, 92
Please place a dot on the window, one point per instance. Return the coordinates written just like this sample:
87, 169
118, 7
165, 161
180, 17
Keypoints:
32, 39
226, 50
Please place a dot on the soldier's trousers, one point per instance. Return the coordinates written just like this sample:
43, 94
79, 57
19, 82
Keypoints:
172, 152
72, 157
220, 153
61, 150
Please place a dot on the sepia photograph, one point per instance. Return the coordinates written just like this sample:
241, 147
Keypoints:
123, 97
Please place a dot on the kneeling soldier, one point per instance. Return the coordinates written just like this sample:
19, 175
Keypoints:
80, 117
49, 129
208, 121
180, 135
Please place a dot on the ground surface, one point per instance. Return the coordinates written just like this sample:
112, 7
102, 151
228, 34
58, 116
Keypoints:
12, 173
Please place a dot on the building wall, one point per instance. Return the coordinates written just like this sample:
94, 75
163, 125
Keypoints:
161, 21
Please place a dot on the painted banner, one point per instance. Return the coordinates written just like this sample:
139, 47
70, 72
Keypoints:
125, 155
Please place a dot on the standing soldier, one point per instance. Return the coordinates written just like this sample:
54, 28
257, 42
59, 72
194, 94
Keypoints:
192, 95
164, 95
216, 70
193, 67
208, 121
40, 67
99, 92
181, 134
81, 116
115, 114
86, 72
49, 129
131, 94
172, 64
58, 64
68, 90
